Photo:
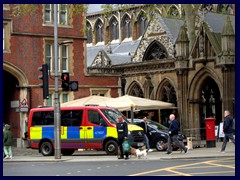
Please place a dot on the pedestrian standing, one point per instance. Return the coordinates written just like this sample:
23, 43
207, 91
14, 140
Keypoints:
143, 125
122, 129
173, 135
227, 130
7, 142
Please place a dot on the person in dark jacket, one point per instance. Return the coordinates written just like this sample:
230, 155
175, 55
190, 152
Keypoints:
173, 135
143, 125
7, 142
227, 130
122, 130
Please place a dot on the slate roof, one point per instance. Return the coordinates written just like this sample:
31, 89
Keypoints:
121, 52
216, 21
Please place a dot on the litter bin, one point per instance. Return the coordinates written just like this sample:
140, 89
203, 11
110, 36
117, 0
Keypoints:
210, 132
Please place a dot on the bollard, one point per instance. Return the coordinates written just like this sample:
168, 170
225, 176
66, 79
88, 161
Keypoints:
189, 143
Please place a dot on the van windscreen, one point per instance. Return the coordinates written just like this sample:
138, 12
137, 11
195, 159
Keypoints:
112, 115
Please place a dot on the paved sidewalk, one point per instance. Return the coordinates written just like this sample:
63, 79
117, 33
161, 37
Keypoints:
28, 155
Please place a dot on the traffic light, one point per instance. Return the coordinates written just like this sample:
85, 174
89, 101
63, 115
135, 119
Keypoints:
73, 85
44, 78
65, 81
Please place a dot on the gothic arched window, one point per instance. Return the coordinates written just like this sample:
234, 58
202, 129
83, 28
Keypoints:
99, 31
141, 24
155, 51
114, 29
136, 90
127, 27
89, 33
173, 12
169, 94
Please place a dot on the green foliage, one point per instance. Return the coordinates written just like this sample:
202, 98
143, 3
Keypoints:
24, 9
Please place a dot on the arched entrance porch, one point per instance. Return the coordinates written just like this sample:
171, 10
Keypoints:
204, 100
13, 77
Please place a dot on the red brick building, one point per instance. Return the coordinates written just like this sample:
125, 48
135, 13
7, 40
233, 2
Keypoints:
28, 42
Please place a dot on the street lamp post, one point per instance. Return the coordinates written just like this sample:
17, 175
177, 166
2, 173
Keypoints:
57, 117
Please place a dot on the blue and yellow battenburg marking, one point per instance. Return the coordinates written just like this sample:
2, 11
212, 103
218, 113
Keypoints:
73, 132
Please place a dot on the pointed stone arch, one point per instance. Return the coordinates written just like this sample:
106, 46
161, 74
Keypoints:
166, 91
135, 89
16, 72
89, 32
203, 78
126, 26
99, 30
199, 77
113, 28
174, 11
155, 51
20, 125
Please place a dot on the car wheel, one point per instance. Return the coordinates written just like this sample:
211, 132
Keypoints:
111, 147
161, 145
46, 148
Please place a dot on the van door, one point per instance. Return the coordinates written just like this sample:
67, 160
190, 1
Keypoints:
71, 134
96, 130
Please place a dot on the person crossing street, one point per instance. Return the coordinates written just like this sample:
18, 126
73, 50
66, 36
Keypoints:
173, 135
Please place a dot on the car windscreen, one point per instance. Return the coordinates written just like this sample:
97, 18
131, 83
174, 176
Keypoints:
158, 126
112, 115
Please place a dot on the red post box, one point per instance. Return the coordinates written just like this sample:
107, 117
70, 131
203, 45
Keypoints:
210, 132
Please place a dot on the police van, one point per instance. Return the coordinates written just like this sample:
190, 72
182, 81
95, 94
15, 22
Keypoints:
82, 127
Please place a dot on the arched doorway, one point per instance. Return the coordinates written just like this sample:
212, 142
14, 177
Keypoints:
204, 100
14, 77
11, 96
210, 103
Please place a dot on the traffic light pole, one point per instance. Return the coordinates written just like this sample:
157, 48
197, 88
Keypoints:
57, 117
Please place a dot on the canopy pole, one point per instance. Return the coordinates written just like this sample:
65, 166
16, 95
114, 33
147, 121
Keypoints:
132, 115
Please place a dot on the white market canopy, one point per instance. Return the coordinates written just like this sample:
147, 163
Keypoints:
122, 103
90, 100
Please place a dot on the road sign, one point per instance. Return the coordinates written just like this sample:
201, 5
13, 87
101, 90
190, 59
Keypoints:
23, 104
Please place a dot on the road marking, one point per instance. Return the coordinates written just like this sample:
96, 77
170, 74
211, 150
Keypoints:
217, 172
178, 173
181, 166
220, 165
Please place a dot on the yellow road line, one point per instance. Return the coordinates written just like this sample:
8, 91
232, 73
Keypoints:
220, 165
198, 173
179, 166
178, 173
217, 172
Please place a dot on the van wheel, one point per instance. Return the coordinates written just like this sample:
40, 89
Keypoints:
46, 148
67, 152
160, 145
111, 147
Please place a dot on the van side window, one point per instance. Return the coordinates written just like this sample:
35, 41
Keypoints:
71, 117
94, 117
43, 118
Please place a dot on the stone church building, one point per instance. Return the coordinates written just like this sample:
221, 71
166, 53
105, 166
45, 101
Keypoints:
154, 59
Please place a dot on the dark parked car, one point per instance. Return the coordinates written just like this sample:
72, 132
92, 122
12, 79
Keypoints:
159, 135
